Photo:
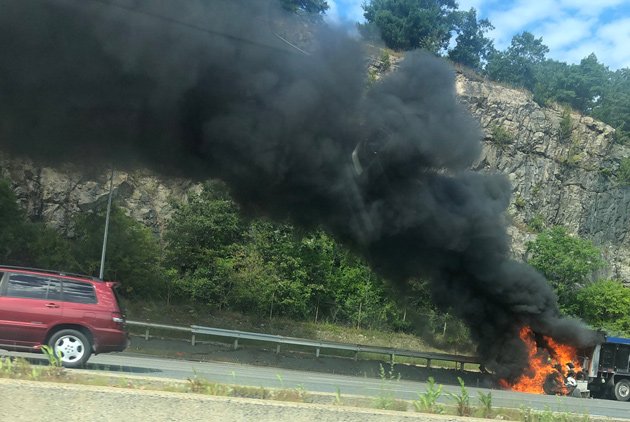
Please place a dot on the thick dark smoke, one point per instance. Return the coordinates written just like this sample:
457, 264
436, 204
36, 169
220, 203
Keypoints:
208, 89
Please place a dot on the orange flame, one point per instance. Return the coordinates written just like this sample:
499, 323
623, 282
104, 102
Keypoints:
545, 363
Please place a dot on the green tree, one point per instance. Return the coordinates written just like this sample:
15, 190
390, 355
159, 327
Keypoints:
308, 6
605, 304
202, 229
12, 221
268, 269
29, 244
202, 244
48, 249
133, 252
516, 65
591, 80
579, 86
412, 24
614, 105
554, 82
567, 261
281, 285
472, 47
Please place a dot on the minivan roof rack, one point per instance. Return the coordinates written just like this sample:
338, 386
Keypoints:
40, 270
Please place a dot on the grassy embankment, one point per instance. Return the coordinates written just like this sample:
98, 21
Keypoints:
198, 315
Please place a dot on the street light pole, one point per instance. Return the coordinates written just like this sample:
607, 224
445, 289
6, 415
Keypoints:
109, 208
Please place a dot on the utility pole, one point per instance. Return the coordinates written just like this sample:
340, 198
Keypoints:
109, 209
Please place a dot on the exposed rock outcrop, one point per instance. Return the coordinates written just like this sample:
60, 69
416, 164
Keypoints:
56, 195
562, 167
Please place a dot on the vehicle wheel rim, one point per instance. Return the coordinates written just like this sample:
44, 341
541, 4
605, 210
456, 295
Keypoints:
624, 390
70, 348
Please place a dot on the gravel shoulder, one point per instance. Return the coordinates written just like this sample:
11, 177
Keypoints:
44, 401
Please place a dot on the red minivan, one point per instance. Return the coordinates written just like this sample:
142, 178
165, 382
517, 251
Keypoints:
75, 315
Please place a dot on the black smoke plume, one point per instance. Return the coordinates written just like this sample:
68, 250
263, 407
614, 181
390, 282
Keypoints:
211, 89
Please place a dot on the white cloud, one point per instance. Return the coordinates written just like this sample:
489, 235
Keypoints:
590, 7
344, 11
517, 18
332, 14
616, 36
609, 43
564, 33
576, 53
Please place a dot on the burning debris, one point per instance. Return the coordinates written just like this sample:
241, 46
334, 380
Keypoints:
206, 90
551, 367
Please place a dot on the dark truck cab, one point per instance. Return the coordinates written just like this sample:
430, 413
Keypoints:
607, 369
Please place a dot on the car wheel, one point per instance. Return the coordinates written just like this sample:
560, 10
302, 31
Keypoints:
72, 346
622, 390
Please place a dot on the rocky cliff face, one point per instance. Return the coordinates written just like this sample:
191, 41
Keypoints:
55, 195
562, 167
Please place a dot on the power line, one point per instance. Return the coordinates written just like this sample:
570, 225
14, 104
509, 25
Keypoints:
198, 28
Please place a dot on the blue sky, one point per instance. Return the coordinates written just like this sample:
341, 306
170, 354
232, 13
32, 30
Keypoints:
572, 29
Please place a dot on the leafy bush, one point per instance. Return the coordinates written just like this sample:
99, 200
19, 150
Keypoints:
566, 125
604, 304
485, 400
133, 252
500, 136
567, 261
385, 399
29, 244
427, 401
536, 223
462, 400
623, 174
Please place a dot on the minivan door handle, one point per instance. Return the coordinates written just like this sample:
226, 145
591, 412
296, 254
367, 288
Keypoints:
52, 305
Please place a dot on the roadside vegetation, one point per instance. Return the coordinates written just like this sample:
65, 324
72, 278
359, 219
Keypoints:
243, 273
215, 267
460, 404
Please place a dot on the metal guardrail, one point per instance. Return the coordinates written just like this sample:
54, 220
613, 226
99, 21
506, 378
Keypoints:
196, 330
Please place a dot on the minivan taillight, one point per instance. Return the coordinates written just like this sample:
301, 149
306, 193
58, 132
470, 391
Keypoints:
118, 318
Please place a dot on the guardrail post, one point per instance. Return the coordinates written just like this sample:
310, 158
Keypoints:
278, 349
428, 363
192, 340
146, 334
235, 343
317, 352
391, 359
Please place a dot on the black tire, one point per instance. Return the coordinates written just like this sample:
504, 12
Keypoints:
72, 346
622, 390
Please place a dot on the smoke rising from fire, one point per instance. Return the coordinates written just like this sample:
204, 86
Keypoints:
208, 89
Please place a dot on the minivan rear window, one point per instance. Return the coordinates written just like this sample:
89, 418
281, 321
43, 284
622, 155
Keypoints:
77, 292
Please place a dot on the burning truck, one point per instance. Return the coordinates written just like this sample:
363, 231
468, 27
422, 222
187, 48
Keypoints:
607, 369
601, 371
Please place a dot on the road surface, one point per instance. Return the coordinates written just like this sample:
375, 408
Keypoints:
232, 373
